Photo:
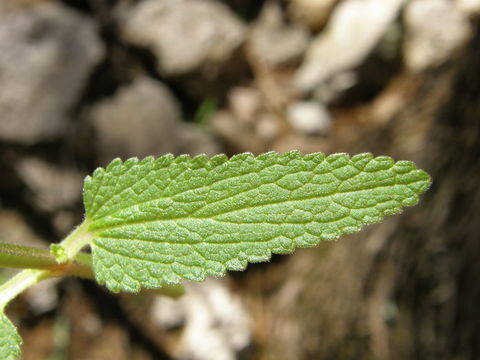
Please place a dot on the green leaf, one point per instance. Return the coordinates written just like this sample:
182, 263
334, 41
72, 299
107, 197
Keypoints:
157, 221
10, 341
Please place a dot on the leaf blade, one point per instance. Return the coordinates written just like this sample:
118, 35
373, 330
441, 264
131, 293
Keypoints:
10, 341
157, 221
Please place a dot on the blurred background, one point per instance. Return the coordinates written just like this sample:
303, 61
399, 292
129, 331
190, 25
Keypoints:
84, 81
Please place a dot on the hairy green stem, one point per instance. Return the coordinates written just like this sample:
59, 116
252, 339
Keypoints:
39, 264
78, 238
23, 257
19, 283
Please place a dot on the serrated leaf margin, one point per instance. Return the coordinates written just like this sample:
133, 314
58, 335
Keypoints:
117, 166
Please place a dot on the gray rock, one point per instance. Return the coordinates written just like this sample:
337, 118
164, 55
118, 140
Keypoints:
183, 34
15, 229
313, 13
334, 86
51, 187
273, 42
239, 135
195, 140
47, 52
309, 117
167, 313
267, 126
354, 29
435, 29
245, 103
140, 120
469, 7
217, 324
43, 297
215, 321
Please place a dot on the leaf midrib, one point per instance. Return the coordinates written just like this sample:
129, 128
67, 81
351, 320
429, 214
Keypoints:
212, 217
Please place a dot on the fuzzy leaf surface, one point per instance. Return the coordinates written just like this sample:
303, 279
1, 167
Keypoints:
158, 221
10, 341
